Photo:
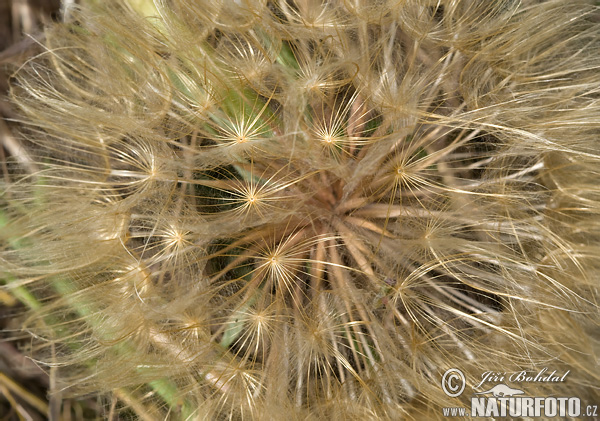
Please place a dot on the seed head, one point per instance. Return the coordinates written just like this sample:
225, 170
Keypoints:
314, 207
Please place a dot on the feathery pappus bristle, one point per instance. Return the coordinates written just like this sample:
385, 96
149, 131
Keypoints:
310, 209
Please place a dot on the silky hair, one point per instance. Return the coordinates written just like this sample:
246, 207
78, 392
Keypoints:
308, 209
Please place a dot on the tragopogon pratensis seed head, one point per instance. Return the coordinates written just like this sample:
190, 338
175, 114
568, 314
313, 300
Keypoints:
311, 209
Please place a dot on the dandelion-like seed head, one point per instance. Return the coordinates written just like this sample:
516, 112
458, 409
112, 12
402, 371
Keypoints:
311, 207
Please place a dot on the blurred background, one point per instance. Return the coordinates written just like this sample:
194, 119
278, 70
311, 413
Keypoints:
24, 387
